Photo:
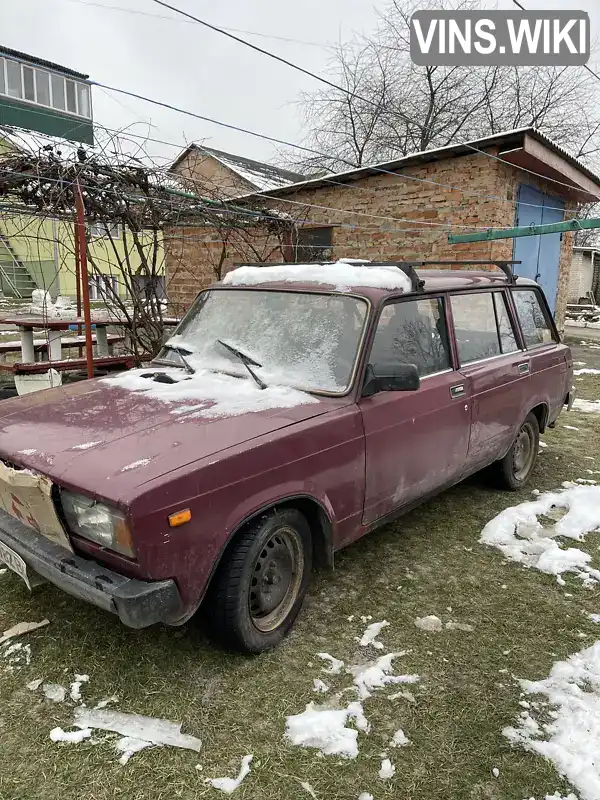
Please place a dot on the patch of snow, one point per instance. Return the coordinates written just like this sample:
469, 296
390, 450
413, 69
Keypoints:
570, 427
369, 636
587, 406
76, 686
340, 274
16, 655
55, 692
594, 617
405, 695
365, 796
128, 746
3, 571
85, 445
29, 452
579, 363
107, 701
543, 445
376, 675
308, 789
211, 394
496, 772
335, 665
570, 738
518, 534
387, 770
399, 739
229, 785
135, 464
320, 686
33, 686
136, 726
325, 729
586, 371
431, 623
70, 737
458, 626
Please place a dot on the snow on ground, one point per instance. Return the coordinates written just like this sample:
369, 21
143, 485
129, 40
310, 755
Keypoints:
369, 677
325, 729
586, 371
335, 665
70, 737
320, 686
76, 686
128, 746
369, 637
430, 623
365, 796
16, 655
521, 537
229, 785
587, 406
136, 726
567, 728
399, 739
387, 770
54, 692
340, 274
570, 428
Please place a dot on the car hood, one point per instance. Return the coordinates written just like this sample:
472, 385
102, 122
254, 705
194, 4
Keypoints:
107, 439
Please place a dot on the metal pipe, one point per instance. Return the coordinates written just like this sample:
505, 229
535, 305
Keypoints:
85, 289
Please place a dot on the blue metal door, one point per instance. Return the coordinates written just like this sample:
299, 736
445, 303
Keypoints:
539, 254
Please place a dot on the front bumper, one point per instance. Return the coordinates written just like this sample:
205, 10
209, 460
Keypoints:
137, 603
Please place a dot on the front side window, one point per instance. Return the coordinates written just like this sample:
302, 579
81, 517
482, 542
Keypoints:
482, 326
412, 332
301, 339
534, 323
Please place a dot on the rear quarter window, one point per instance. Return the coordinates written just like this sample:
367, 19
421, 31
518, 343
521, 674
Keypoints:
482, 326
533, 317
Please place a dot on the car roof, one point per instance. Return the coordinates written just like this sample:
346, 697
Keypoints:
434, 280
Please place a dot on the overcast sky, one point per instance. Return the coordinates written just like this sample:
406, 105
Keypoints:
151, 51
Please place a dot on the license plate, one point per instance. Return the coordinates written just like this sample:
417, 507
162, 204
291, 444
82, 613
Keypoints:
15, 562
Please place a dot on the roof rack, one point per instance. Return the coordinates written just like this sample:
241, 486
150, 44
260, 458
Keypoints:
503, 264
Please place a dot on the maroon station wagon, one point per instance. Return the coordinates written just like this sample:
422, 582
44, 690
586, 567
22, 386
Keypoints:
295, 409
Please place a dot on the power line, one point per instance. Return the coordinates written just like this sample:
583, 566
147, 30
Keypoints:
285, 61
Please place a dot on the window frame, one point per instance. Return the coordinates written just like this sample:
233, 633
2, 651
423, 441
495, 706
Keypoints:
508, 301
443, 298
543, 303
22, 65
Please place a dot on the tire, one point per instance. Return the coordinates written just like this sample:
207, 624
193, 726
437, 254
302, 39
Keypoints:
260, 586
514, 470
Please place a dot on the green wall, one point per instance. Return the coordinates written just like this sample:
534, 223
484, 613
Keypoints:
45, 120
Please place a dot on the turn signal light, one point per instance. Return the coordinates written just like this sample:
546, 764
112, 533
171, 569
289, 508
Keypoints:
180, 518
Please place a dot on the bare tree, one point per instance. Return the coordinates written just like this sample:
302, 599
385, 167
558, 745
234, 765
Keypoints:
415, 108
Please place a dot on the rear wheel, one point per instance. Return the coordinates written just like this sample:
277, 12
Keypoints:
514, 470
260, 586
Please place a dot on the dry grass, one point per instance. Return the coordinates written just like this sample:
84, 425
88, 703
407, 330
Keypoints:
238, 705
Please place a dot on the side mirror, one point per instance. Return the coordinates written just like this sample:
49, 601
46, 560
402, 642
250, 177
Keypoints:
390, 377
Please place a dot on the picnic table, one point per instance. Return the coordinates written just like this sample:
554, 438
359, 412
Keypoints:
53, 341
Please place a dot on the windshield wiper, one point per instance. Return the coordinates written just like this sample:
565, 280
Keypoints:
180, 352
246, 360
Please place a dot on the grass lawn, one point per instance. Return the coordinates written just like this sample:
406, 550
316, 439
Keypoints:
427, 563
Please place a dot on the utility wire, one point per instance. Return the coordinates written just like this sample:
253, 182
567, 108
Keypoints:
285, 61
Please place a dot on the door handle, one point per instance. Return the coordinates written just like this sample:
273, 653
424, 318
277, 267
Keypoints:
523, 368
458, 390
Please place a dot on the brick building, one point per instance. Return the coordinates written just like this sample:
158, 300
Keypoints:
585, 275
405, 209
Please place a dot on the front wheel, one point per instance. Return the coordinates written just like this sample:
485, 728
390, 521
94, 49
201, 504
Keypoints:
514, 470
261, 584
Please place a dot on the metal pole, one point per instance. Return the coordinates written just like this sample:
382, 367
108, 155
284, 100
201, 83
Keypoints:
77, 280
529, 230
85, 291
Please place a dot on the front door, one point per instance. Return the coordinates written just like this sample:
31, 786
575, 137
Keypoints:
415, 441
539, 255
494, 368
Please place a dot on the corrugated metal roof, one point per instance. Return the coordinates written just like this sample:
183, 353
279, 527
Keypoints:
504, 139
41, 62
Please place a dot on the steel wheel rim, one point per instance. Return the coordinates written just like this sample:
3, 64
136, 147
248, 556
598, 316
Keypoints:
523, 452
276, 579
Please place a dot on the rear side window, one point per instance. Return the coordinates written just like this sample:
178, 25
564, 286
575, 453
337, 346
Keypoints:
532, 316
413, 332
482, 326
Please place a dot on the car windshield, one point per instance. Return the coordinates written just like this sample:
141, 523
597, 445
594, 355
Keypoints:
301, 339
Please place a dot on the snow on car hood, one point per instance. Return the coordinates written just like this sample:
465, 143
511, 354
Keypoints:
105, 438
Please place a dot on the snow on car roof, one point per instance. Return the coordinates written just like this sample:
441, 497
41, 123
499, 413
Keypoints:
343, 274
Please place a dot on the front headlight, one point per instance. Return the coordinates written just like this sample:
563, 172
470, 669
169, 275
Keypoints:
97, 522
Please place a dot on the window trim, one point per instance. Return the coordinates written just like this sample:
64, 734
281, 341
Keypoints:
545, 311
51, 73
436, 295
516, 329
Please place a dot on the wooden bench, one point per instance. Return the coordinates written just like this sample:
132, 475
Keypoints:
39, 367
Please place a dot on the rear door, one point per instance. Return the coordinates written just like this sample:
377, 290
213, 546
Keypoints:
494, 368
550, 361
416, 441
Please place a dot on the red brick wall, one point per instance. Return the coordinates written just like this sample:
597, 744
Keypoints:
382, 221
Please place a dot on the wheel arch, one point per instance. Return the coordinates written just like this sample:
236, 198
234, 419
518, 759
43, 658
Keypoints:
541, 412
